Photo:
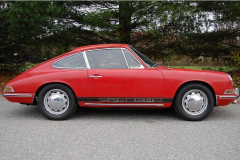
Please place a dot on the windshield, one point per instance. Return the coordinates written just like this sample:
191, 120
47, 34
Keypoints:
144, 58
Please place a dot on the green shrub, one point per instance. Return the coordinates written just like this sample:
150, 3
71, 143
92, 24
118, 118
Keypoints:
17, 67
236, 57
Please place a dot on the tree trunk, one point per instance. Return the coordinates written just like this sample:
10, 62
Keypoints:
125, 14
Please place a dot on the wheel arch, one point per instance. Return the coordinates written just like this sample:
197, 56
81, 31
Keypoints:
199, 82
46, 84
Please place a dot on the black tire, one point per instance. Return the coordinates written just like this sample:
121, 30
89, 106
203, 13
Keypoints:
57, 102
194, 102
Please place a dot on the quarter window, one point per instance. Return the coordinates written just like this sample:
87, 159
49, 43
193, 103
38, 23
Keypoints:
132, 62
75, 61
147, 61
106, 59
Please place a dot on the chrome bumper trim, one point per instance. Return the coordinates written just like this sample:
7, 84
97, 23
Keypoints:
237, 91
227, 97
129, 104
17, 95
238, 94
230, 96
235, 101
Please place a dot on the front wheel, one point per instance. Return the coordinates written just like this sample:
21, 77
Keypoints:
57, 102
194, 102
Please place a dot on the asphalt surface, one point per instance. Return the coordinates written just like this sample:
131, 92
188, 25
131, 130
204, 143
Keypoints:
118, 134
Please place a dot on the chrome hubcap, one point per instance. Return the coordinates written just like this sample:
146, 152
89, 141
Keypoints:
56, 101
195, 102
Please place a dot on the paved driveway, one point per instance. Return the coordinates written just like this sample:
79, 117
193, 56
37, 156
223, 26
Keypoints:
118, 134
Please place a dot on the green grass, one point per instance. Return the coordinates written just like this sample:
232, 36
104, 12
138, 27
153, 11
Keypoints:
210, 68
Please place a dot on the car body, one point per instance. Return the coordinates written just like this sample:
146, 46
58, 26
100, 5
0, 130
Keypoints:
117, 75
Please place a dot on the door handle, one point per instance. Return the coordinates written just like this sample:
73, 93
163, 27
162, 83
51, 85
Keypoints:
95, 76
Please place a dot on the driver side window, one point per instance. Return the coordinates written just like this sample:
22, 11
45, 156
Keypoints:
106, 59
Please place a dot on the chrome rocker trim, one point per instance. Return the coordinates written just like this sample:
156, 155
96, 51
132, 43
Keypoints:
128, 100
129, 104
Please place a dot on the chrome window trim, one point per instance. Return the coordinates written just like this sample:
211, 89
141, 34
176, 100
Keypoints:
101, 49
70, 67
125, 58
86, 60
141, 67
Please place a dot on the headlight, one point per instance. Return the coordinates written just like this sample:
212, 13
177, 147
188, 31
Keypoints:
230, 78
8, 89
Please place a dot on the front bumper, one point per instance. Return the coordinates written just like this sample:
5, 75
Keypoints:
226, 99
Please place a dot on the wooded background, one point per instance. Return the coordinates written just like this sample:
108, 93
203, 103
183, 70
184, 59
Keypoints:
36, 31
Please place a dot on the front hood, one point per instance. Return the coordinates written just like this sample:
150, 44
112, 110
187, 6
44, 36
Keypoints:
189, 70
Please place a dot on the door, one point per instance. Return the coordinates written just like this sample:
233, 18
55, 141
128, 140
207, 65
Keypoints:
116, 73
142, 83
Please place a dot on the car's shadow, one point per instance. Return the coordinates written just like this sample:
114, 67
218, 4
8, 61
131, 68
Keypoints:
32, 112
125, 113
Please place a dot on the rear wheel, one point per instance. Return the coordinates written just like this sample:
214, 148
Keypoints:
194, 102
57, 102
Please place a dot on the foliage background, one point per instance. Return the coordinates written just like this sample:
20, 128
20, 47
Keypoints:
159, 29
180, 33
176, 32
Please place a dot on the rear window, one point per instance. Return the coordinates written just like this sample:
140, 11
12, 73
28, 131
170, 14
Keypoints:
75, 61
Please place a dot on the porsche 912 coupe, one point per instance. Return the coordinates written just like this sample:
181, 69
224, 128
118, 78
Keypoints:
117, 75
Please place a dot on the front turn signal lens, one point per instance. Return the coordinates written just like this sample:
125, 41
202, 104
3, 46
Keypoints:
229, 91
8, 89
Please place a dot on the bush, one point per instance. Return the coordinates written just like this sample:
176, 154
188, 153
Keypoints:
17, 67
236, 57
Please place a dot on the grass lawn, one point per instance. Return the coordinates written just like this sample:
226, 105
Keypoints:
211, 68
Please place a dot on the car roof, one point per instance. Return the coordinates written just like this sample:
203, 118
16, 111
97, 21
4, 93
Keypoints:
83, 48
99, 46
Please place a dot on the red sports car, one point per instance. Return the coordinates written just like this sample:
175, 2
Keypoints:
117, 75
